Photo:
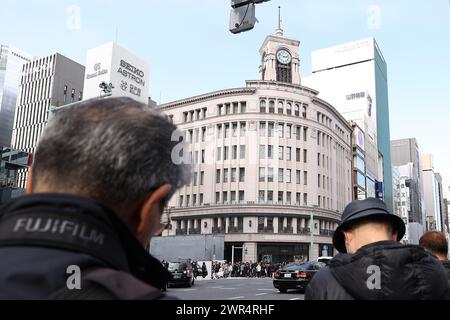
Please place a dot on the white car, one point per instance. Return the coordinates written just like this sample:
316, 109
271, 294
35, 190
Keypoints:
325, 260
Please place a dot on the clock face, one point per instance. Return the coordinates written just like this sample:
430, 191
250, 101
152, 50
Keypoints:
284, 56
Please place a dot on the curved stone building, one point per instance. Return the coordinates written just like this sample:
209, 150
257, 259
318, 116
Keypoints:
272, 163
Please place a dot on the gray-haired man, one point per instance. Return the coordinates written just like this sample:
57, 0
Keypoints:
102, 175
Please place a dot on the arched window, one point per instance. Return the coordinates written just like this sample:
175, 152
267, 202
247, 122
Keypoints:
262, 106
297, 110
280, 107
271, 106
289, 109
304, 111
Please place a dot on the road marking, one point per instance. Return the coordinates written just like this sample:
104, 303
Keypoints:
227, 288
215, 287
267, 290
235, 298
186, 290
295, 299
261, 294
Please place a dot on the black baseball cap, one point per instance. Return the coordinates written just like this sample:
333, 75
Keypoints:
358, 210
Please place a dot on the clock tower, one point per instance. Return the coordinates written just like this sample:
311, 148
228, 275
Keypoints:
280, 60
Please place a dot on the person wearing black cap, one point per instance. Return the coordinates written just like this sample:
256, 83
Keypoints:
372, 264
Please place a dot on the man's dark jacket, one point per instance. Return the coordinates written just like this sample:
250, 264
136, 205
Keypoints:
405, 272
42, 235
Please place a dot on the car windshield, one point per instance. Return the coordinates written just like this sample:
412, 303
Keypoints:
296, 267
176, 266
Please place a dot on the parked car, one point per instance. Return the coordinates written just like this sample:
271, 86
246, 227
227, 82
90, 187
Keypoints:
296, 276
181, 274
325, 260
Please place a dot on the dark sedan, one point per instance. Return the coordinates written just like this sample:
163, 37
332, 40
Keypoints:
181, 274
296, 276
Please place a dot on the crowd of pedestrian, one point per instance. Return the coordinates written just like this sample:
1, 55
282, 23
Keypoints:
244, 269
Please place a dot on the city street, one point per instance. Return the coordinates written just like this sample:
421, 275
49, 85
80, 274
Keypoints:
233, 289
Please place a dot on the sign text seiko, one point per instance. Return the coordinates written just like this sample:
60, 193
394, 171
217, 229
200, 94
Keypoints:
129, 71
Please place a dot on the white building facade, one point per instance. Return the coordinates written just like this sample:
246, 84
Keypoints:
271, 162
353, 77
52, 81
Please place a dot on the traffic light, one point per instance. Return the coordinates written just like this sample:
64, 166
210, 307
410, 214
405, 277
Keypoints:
243, 15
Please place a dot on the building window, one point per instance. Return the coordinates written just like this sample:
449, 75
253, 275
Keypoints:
225, 175
271, 128
225, 153
280, 153
241, 174
297, 176
289, 131
262, 151
234, 153
281, 130
241, 197
270, 152
261, 196
227, 108
233, 197
262, 106
227, 130
203, 156
219, 131
65, 94
234, 129
305, 199
305, 156
288, 198
289, 109
202, 178
269, 174
297, 133
270, 197
225, 197
194, 200
280, 175
243, 129
235, 108
220, 109
181, 203
305, 178
262, 174
271, 106
297, 110
318, 159
195, 179
217, 197
288, 176
201, 199
203, 134
280, 197
243, 107
262, 129
298, 154
288, 153
304, 111
280, 107
242, 152
233, 174
218, 173
318, 180
298, 199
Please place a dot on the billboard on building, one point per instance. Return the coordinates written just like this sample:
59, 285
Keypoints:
113, 64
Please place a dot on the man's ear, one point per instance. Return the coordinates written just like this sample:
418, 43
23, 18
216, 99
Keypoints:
150, 214
29, 186
395, 235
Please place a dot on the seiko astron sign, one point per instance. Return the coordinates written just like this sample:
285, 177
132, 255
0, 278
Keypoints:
113, 64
